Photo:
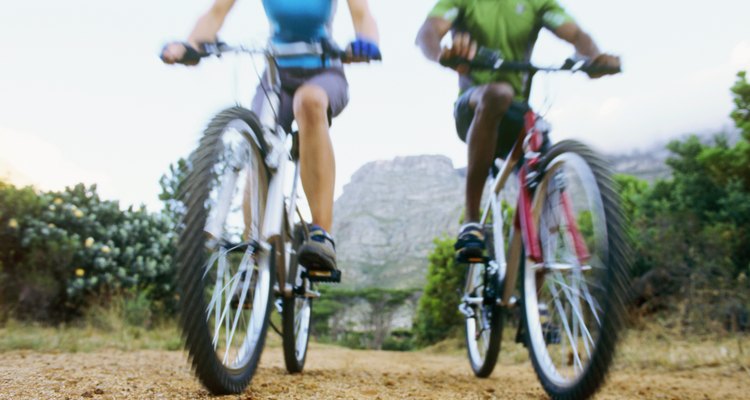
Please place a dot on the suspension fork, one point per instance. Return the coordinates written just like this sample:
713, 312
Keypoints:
582, 251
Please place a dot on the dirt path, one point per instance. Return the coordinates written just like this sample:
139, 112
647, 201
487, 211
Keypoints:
331, 373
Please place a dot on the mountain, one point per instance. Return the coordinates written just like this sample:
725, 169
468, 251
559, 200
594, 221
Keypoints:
648, 165
390, 212
388, 216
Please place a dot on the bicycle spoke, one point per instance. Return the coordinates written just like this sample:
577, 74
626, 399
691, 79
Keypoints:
566, 325
216, 299
243, 295
574, 298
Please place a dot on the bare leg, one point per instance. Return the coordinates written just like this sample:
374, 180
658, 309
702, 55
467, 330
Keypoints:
317, 165
490, 102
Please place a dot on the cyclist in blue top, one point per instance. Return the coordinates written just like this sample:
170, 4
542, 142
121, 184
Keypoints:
314, 91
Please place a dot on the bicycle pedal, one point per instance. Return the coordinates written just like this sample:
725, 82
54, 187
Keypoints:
472, 260
323, 276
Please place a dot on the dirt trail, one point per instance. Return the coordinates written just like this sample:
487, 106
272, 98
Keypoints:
331, 373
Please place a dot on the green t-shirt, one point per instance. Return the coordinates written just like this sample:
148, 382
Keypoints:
510, 26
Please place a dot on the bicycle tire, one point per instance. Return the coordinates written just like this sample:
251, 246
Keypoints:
191, 257
483, 366
483, 361
296, 309
614, 284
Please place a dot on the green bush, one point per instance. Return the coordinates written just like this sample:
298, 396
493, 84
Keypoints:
692, 232
399, 340
437, 313
63, 250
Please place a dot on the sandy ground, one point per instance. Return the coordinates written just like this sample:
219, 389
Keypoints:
331, 373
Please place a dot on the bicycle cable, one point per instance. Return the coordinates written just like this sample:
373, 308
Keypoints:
263, 87
548, 98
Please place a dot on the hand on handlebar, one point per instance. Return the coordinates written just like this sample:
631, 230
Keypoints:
463, 48
363, 50
603, 64
180, 53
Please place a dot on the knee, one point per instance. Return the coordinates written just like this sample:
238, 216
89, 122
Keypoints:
495, 100
310, 104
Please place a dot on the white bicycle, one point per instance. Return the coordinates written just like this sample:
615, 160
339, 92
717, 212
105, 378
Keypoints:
239, 237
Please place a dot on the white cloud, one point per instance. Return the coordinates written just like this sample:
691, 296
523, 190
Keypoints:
26, 159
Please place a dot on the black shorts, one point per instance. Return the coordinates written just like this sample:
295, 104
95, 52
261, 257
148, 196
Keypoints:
510, 126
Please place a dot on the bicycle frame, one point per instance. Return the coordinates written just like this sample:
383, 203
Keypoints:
279, 214
527, 152
277, 218
281, 206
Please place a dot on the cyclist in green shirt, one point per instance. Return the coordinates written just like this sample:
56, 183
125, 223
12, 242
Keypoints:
489, 101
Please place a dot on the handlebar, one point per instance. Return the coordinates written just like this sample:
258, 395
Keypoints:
325, 48
487, 59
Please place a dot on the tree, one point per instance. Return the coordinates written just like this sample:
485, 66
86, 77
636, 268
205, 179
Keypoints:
383, 306
437, 313
172, 183
741, 112
693, 232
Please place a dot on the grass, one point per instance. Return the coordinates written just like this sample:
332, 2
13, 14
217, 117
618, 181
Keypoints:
87, 338
654, 347
73, 339
101, 328
649, 347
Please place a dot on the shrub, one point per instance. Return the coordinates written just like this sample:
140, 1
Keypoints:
63, 250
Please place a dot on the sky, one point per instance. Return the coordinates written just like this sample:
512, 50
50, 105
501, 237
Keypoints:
84, 97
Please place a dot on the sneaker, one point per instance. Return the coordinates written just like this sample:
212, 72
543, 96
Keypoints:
470, 243
318, 253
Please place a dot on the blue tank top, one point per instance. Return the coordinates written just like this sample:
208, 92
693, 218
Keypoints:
300, 21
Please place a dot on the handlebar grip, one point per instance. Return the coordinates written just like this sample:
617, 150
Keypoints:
347, 58
601, 70
191, 56
484, 59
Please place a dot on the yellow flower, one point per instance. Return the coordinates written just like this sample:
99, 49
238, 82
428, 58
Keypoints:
50, 225
78, 213
58, 201
106, 249
12, 224
80, 272
89, 242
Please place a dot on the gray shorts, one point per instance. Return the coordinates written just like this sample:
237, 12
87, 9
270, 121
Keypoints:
331, 80
510, 126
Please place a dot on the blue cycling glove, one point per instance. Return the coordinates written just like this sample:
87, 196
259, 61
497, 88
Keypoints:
365, 49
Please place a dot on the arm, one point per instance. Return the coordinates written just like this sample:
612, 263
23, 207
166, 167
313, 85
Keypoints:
585, 46
205, 30
429, 36
208, 24
364, 23
583, 43
432, 32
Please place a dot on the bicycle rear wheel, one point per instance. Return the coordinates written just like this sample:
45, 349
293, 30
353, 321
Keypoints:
574, 299
296, 309
226, 271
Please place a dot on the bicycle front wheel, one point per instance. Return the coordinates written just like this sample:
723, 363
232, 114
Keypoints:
574, 296
226, 271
